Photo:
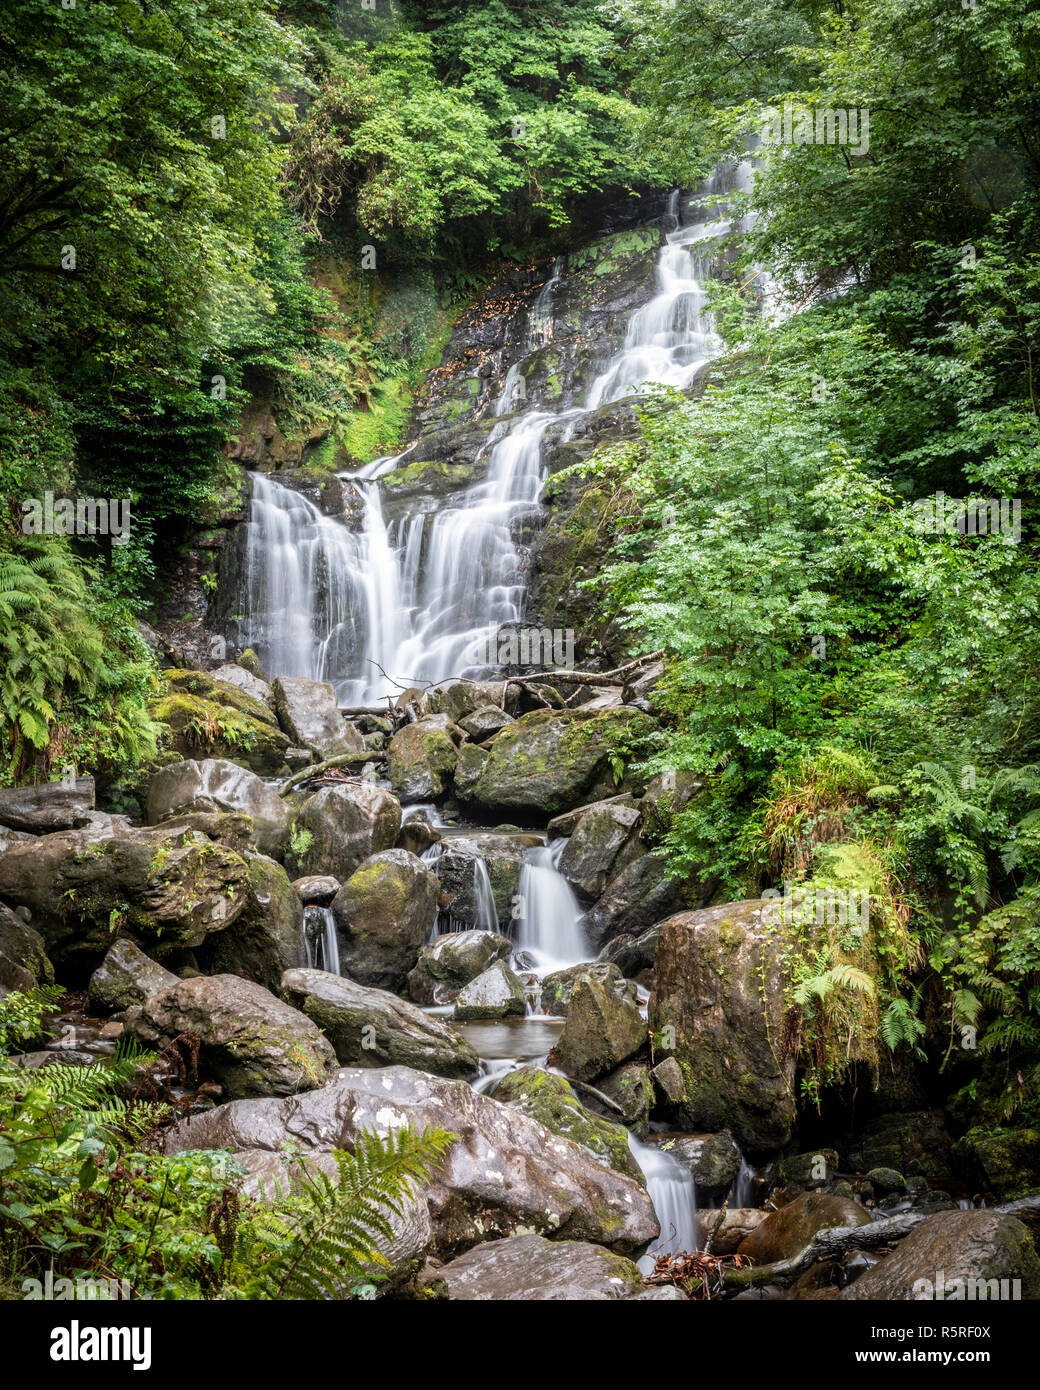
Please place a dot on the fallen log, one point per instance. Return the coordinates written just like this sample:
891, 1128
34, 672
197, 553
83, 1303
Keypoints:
307, 774
48, 806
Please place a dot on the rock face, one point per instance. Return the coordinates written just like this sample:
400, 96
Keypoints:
421, 758
551, 1101
217, 785
49, 806
309, 714
126, 976
914, 1143
639, 897
23, 946
384, 913
956, 1247
718, 989
497, 993
505, 1174
252, 1042
530, 1269
266, 939
603, 841
452, 961
601, 1031
162, 888
345, 824
1008, 1164
371, 1028
786, 1232
547, 761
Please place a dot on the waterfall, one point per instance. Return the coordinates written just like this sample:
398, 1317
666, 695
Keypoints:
549, 913
320, 943
419, 596
672, 1190
744, 1185
487, 912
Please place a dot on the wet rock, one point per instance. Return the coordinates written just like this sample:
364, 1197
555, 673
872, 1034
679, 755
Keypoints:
127, 976
641, 896
9, 838
249, 681
14, 978
468, 769
417, 834
915, 1143
713, 1159
633, 955
318, 889
384, 914
1007, 1163
718, 991
631, 1091
558, 988
421, 758
164, 889
505, 1174
24, 946
460, 699
266, 939
785, 1233
497, 993
883, 1180
604, 840
372, 1028
309, 713
48, 806
809, 1169
223, 723
345, 823
530, 1269
732, 1230
939, 1258
484, 722
602, 1030
214, 784
253, 1043
547, 761
551, 1101
453, 960
503, 856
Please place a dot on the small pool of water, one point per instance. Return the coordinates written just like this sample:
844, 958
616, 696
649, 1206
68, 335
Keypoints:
523, 1039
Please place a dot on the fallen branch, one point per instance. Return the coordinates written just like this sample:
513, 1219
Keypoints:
307, 774
604, 1100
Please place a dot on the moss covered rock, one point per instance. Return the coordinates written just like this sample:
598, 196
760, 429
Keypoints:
384, 913
452, 961
1006, 1161
200, 727
421, 758
265, 941
551, 1100
602, 1030
788, 1231
340, 825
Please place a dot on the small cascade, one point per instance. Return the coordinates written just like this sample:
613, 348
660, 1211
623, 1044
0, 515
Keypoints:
743, 1191
672, 1190
320, 943
487, 913
549, 914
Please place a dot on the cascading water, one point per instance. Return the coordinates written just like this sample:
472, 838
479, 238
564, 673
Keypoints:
418, 597
673, 1192
320, 943
487, 912
549, 914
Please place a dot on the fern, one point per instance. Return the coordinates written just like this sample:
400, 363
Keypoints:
334, 1225
900, 1024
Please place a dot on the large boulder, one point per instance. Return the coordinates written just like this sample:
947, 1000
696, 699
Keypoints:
267, 939
550, 1100
458, 699
602, 1030
452, 961
546, 761
384, 914
787, 1231
309, 713
48, 806
462, 882
340, 825
531, 1269
718, 996
955, 1255
497, 993
558, 987
371, 1028
24, 946
126, 976
165, 889
243, 679
421, 758
214, 784
505, 1174
604, 840
484, 723
713, 1159
207, 717
253, 1043
640, 896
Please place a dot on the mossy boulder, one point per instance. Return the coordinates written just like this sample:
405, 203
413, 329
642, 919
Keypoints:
630, 1088
25, 946
547, 761
470, 764
373, 1028
265, 941
341, 825
214, 784
127, 976
210, 688
421, 758
1006, 1161
384, 914
200, 727
452, 961
713, 1159
253, 1043
551, 1101
603, 841
786, 1232
602, 1030
809, 1169
558, 987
